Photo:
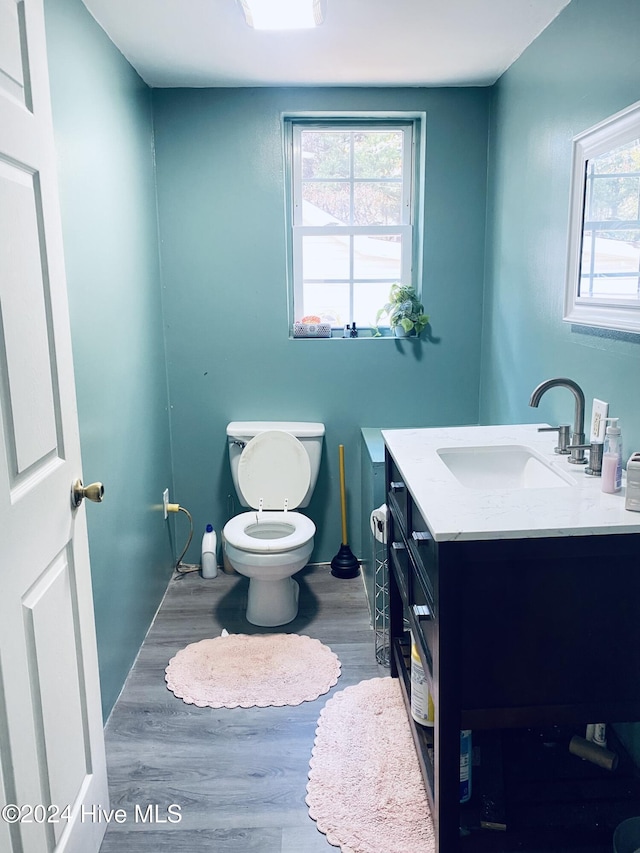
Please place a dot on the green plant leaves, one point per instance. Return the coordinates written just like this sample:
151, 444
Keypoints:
404, 309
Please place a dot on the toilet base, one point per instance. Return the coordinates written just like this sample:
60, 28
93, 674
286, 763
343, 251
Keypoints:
272, 602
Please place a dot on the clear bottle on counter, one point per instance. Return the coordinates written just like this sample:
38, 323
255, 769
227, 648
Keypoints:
612, 458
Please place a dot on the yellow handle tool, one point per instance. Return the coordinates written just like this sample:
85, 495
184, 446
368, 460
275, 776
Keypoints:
344, 564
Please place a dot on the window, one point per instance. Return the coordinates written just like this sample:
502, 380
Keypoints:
603, 279
353, 203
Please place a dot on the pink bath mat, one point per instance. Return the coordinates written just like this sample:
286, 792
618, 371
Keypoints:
365, 789
241, 670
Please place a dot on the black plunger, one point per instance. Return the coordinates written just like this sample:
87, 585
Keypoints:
344, 565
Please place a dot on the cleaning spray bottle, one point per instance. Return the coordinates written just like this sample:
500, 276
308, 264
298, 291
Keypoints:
421, 702
612, 458
209, 562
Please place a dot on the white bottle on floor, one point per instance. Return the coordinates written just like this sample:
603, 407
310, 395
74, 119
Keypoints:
209, 561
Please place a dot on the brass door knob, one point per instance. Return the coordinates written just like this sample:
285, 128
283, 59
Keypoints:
93, 492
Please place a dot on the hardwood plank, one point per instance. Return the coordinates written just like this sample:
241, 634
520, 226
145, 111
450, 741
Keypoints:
196, 841
305, 838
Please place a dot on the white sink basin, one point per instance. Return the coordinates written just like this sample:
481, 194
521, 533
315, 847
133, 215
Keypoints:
506, 466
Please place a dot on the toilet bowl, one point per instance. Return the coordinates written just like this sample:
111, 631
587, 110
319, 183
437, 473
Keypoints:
269, 548
272, 542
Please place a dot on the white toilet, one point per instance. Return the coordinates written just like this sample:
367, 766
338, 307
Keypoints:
274, 466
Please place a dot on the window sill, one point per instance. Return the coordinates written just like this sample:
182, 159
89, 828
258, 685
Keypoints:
363, 335
617, 317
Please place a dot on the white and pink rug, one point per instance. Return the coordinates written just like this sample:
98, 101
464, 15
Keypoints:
365, 790
241, 670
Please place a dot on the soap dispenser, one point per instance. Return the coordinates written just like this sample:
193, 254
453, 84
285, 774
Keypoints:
612, 458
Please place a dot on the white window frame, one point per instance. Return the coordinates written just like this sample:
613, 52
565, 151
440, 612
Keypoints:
411, 228
580, 309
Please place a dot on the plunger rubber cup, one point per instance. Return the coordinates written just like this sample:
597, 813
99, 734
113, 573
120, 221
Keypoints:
344, 565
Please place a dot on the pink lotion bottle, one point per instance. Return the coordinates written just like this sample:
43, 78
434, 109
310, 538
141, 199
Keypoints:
612, 458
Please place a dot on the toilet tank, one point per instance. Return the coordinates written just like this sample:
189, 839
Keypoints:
310, 435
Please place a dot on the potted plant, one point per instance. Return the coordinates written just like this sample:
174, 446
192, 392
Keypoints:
405, 311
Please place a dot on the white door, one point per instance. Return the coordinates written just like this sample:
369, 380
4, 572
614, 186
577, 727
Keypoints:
52, 762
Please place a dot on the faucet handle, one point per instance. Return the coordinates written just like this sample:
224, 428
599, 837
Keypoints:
564, 437
595, 449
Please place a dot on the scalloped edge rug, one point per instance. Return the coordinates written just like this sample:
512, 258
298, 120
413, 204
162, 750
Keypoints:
365, 790
252, 670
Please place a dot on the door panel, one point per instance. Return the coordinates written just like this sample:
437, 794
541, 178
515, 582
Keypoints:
30, 422
52, 642
14, 67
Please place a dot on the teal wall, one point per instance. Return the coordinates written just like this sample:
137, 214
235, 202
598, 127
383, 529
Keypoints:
580, 70
221, 212
104, 139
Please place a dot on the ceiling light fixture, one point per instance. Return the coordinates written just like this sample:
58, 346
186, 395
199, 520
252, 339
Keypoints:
283, 14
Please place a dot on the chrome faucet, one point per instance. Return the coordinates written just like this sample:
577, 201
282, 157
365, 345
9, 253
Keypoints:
576, 448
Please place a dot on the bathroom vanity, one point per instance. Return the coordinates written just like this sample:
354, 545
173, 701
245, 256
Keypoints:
520, 582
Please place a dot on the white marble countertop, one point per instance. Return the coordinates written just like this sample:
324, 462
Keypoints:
456, 512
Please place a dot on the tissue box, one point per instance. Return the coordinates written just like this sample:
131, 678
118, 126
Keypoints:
311, 330
632, 498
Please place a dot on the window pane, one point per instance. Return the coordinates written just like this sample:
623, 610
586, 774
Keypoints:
377, 203
625, 158
606, 257
329, 301
368, 298
325, 202
378, 257
377, 154
616, 251
325, 257
611, 288
613, 198
325, 154
611, 256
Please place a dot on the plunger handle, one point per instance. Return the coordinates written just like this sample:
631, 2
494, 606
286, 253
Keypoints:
344, 564
343, 494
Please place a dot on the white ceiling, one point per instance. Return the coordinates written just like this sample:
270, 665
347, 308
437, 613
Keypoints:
362, 42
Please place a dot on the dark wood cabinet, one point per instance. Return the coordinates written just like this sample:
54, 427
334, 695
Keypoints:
518, 638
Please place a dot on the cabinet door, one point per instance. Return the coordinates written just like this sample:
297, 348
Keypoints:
424, 551
400, 564
422, 616
397, 494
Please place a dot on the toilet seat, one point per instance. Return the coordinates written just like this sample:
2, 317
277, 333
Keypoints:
274, 471
235, 531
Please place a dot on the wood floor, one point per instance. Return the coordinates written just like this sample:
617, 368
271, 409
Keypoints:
239, 776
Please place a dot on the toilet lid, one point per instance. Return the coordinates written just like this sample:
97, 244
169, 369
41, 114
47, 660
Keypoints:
274, 467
